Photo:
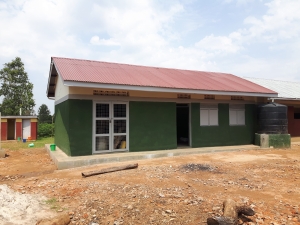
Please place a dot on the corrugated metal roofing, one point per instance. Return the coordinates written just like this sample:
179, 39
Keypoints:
285, 89
132, 75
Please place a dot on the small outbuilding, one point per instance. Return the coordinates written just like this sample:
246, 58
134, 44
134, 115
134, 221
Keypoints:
103, 107
18, 127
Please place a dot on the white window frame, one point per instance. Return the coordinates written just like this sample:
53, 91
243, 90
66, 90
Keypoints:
111, 133
209, 115
237, 115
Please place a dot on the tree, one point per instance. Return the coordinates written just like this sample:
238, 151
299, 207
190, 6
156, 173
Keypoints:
16, 89
44, 114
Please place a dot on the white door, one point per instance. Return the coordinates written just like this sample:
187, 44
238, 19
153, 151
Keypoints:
26, 128
110, 127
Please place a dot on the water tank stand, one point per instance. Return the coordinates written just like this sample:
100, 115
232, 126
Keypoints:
273, 140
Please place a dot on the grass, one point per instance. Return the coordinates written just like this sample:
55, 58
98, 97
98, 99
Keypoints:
53, 203
16, 145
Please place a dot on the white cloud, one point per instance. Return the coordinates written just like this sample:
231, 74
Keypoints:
95, 40
219, 44
238, 2
280, 22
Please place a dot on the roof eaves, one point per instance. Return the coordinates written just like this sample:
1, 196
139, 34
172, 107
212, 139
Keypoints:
164, 89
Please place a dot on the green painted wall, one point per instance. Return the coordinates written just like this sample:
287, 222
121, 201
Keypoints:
152, 126
257, 139
223, 134
280, 140
73, 126
61, 137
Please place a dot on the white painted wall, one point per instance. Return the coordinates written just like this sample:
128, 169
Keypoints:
60, 90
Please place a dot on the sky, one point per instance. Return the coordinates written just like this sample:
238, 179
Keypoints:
247, 38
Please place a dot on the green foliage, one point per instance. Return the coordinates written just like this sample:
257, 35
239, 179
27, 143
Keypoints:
45, 130
54, 204
16, 89
44, 114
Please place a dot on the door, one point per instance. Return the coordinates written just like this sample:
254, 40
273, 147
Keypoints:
182, 125
110, 127
11, 129
26, 128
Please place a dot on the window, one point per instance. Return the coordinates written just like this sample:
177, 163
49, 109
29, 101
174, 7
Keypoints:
209, 115
236, 115
297, 113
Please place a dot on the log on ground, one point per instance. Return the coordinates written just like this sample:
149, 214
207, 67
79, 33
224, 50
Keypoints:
109, 170
231, 214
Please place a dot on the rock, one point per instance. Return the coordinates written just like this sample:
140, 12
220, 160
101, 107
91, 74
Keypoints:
60, 219
161, 195
216, 208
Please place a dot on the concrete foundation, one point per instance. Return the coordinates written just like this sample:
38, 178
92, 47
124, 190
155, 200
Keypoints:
63, 161
273, 140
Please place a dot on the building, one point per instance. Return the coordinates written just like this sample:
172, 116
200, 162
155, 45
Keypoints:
289, 95
18, 127
103, 107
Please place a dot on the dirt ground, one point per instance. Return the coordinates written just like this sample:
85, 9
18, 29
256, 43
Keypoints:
177, 190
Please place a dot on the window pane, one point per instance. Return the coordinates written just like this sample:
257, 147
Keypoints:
232, 117
237, 106
119, 126
102, 110
241, 117
102, 127
204, 117
102, 143
119, 110
120, 142
213, 117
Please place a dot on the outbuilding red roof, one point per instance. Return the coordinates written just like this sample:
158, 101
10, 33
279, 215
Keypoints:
88, 71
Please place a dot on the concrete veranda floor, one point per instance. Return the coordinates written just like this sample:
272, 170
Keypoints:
64, 161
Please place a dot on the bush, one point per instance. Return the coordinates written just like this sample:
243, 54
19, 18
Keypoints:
45, 130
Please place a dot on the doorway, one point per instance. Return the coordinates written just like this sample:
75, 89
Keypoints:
26, 128
182, 125
110, 127
11, 130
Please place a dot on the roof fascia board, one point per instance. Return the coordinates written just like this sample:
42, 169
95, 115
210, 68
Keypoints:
287, 99
161, 89
49, 78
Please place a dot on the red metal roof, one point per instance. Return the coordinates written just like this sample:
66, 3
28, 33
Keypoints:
144, 76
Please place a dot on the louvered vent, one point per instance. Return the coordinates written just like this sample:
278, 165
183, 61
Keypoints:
241, 98
209, 97
111, 93
183, 96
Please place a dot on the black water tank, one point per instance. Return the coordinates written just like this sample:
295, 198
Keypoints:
272, 119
